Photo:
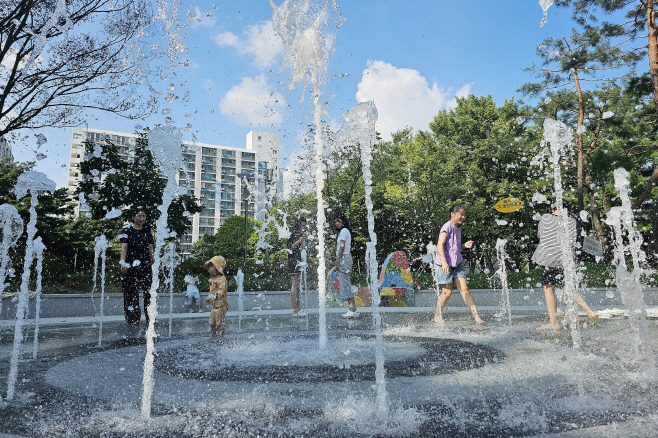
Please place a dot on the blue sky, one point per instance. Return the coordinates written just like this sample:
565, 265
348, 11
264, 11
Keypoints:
410, 58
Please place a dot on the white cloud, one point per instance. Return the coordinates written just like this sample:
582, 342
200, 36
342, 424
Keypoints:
260, 41
253, 102
202, 19
403, 97
209, 85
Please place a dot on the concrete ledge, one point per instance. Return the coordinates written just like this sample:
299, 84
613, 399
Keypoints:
86, 305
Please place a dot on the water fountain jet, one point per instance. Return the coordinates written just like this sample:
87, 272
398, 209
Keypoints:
33, 183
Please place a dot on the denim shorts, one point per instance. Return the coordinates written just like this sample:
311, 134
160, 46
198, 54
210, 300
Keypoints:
454, 272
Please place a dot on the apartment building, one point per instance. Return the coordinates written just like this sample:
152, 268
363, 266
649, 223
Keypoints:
5, 149
214, 174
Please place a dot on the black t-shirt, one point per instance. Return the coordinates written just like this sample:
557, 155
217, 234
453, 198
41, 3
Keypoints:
138, 244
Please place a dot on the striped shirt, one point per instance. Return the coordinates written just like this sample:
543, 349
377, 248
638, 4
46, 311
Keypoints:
548, 252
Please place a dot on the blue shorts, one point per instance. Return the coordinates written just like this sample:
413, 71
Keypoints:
453, 272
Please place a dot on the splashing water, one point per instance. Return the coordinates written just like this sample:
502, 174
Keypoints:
432, 253
502, 274
165, 144
38, 253
560, 138
545, 4
301, 24
359, 129
12, 228
303, 266
100, 249
49, 27
629, 282
171, 259
240, 291
28, 182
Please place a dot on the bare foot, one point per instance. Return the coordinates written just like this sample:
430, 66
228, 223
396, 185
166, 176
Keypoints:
479, 321
549, 326
593, 318
438, 320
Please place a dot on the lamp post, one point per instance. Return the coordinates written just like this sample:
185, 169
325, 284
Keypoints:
245, 198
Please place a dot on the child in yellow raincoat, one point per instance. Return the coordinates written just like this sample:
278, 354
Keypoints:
217, 295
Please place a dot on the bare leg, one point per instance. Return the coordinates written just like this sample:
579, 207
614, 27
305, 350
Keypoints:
462, 286
551, 307
294, 293
592, 317
446, 292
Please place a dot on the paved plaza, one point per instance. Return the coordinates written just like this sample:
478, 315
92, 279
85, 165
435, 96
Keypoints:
267, 377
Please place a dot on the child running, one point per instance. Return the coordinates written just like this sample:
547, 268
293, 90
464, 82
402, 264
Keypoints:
217, 295
192, 289
451, 267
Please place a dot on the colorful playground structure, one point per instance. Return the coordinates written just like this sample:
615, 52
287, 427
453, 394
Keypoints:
396, 285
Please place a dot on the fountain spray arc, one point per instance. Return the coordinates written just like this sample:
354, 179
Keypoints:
359, 129
629, 281
12, 228
301, 24
502, 274
560, 137
39, 247
34, 183
170, 260
165, 143
100, 249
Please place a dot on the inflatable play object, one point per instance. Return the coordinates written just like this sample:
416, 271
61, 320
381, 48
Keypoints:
396, 285
395, 279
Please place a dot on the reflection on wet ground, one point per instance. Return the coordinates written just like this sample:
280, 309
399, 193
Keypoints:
464, 380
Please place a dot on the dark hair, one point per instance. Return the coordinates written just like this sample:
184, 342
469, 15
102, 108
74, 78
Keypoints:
344, 220
194, 270
297, 228
134, 210
455, 208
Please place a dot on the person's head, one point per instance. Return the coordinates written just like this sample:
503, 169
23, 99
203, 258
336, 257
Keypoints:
215, 265
194, 272
457, 214
341, 222
300, 226
554, 210
139, 215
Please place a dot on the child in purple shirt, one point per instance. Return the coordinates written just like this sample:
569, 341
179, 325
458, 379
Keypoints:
450, 263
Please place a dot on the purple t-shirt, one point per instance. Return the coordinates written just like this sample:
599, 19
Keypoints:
453, 246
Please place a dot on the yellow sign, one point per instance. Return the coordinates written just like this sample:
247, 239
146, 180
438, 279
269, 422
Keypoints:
509, 205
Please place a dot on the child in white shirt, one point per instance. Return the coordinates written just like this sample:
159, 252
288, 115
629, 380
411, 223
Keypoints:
192, 290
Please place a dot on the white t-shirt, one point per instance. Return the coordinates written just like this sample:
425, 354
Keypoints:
347, 237
192, 283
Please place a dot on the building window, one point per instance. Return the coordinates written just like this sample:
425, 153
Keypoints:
206, 231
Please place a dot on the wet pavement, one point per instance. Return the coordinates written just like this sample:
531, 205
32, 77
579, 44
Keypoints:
267, 378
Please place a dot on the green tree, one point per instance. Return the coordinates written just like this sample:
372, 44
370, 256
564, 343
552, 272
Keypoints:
588, 55
110, 182
86, 65
229, 239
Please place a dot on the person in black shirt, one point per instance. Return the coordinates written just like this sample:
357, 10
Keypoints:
136, 256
